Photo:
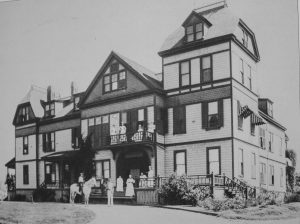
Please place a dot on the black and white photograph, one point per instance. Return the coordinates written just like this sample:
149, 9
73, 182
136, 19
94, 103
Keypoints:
149, 111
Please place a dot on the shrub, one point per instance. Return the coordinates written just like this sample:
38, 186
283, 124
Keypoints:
292, 198
43, 195
19, 197
221, 205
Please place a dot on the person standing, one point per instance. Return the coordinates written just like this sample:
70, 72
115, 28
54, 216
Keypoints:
150, 177
129, 186
110, 192
80, 182
119, 184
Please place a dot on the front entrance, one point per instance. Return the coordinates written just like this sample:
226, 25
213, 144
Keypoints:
133, 162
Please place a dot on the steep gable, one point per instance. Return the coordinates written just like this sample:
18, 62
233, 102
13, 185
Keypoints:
119, 76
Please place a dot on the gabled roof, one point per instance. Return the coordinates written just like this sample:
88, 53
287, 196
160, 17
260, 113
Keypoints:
34, 97
145, 75
194, 14
223, 23
271, 120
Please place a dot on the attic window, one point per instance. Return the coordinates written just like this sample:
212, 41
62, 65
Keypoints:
24, 114
194, 32
115, 80
49, 110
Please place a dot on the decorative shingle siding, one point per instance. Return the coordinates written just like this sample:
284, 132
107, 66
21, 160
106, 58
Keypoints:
196, 53
196, 157
116, 107
195, 97
194, 131
133, 85
61, 125
31, 173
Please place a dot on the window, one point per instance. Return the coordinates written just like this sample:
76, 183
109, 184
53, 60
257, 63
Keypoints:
25, 174
50, 173
270, 109
25, 145
180, 162
250, 77
263, 173
194, 32
213, 160
23, 114
262, 138
241, 162
245, 38
240, 118
50, 110
103, 169
271, 139
253, 166
76, 102
179, 120
206, 69
242, 70
252, 128
281, 177
271, 175
213, 115
280, 147
116, 80
185, 78
49, 142
76, 135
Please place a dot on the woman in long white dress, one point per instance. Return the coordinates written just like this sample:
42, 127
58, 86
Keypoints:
129, 186
119, 184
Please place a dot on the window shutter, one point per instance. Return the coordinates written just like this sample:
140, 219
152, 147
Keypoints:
165, 120
176, 124
204, 115
44, 142
221, 113
158, 122
73, 137
182, 120
179, 120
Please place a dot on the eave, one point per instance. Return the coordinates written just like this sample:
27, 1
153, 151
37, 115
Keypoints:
271, 120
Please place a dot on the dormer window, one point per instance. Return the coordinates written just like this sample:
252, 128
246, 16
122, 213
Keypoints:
194, 32
270, 109
24, 114
115, 80
76, 101
50, 110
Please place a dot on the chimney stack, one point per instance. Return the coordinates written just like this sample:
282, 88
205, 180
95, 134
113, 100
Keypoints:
72, 89
48, 93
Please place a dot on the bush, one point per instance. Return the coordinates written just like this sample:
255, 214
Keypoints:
43, 195
178, 190
19, 197
221, 205
294, 197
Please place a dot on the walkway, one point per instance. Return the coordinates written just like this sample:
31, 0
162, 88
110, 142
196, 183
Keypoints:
152, 215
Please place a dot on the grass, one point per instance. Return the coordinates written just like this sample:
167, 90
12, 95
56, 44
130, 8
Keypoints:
46, 213
270, 212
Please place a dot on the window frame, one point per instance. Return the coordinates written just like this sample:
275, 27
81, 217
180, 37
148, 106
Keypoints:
262, 138
271, 175
26, 174
25, 146
250, 77
52, 171
217, 124
252, 128
241, 163
242, 70
253, 166
203, 70
181, 129
175, 160
181, 74
208, 162
47, 145
102, 161
263, 173
271, 142
110, 83
51, 111
194, 32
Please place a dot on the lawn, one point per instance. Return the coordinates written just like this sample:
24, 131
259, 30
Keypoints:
31, 213
269, 212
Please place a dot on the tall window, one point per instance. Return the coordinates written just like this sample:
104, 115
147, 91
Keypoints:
270, 109
50, 110
185, 77
240, 118
179, 120
252, 127
253, 166
213, 161
250, 77
262, 138
194, 32
271, 139
245, 38
103, 169
271, 182
23, 114
241, 162
25, 145
280, 147
49, 142
50, 173
213, 115
116, 80
180, 162
25, 174
76, 135
206, 69
262, 173
242, 70
281, 177
141, 118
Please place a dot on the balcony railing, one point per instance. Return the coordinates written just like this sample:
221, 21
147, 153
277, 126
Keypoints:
56, 185
130, 137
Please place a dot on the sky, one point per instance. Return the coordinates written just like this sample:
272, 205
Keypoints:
54, 42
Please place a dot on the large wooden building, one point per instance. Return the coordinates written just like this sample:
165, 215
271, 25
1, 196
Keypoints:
201, 114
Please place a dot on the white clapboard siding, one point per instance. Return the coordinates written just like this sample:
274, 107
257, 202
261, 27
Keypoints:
31, 172
221, 65
171, 76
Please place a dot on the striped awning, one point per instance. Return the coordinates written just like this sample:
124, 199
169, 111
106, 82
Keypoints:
245, 111
256, 119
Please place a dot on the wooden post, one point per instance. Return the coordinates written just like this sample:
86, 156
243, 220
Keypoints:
212, 184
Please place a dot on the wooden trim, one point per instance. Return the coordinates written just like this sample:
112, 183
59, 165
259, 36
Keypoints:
207, 158
185, 158
102, 161
110, 83
268, 158
231, 108
198, 142
27, 160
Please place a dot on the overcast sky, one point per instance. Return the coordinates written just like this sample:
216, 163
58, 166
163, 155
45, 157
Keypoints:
55, 42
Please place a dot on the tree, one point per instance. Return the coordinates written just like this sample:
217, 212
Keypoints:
88, 153
290, 170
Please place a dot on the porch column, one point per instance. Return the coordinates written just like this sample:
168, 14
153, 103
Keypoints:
61, 173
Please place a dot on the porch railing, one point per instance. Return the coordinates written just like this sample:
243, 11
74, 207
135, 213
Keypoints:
130, 137
55, 185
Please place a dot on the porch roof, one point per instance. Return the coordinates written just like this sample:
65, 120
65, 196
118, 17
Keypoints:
64, 155
11, 164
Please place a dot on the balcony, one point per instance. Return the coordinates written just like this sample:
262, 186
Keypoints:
131, 138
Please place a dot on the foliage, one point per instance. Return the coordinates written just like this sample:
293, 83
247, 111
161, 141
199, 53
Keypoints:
221, 205
43, 195
292, 197
178, 190
291, 154
87, 162
19, 197
290, 173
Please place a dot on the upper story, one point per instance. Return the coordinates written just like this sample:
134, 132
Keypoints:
211, 48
